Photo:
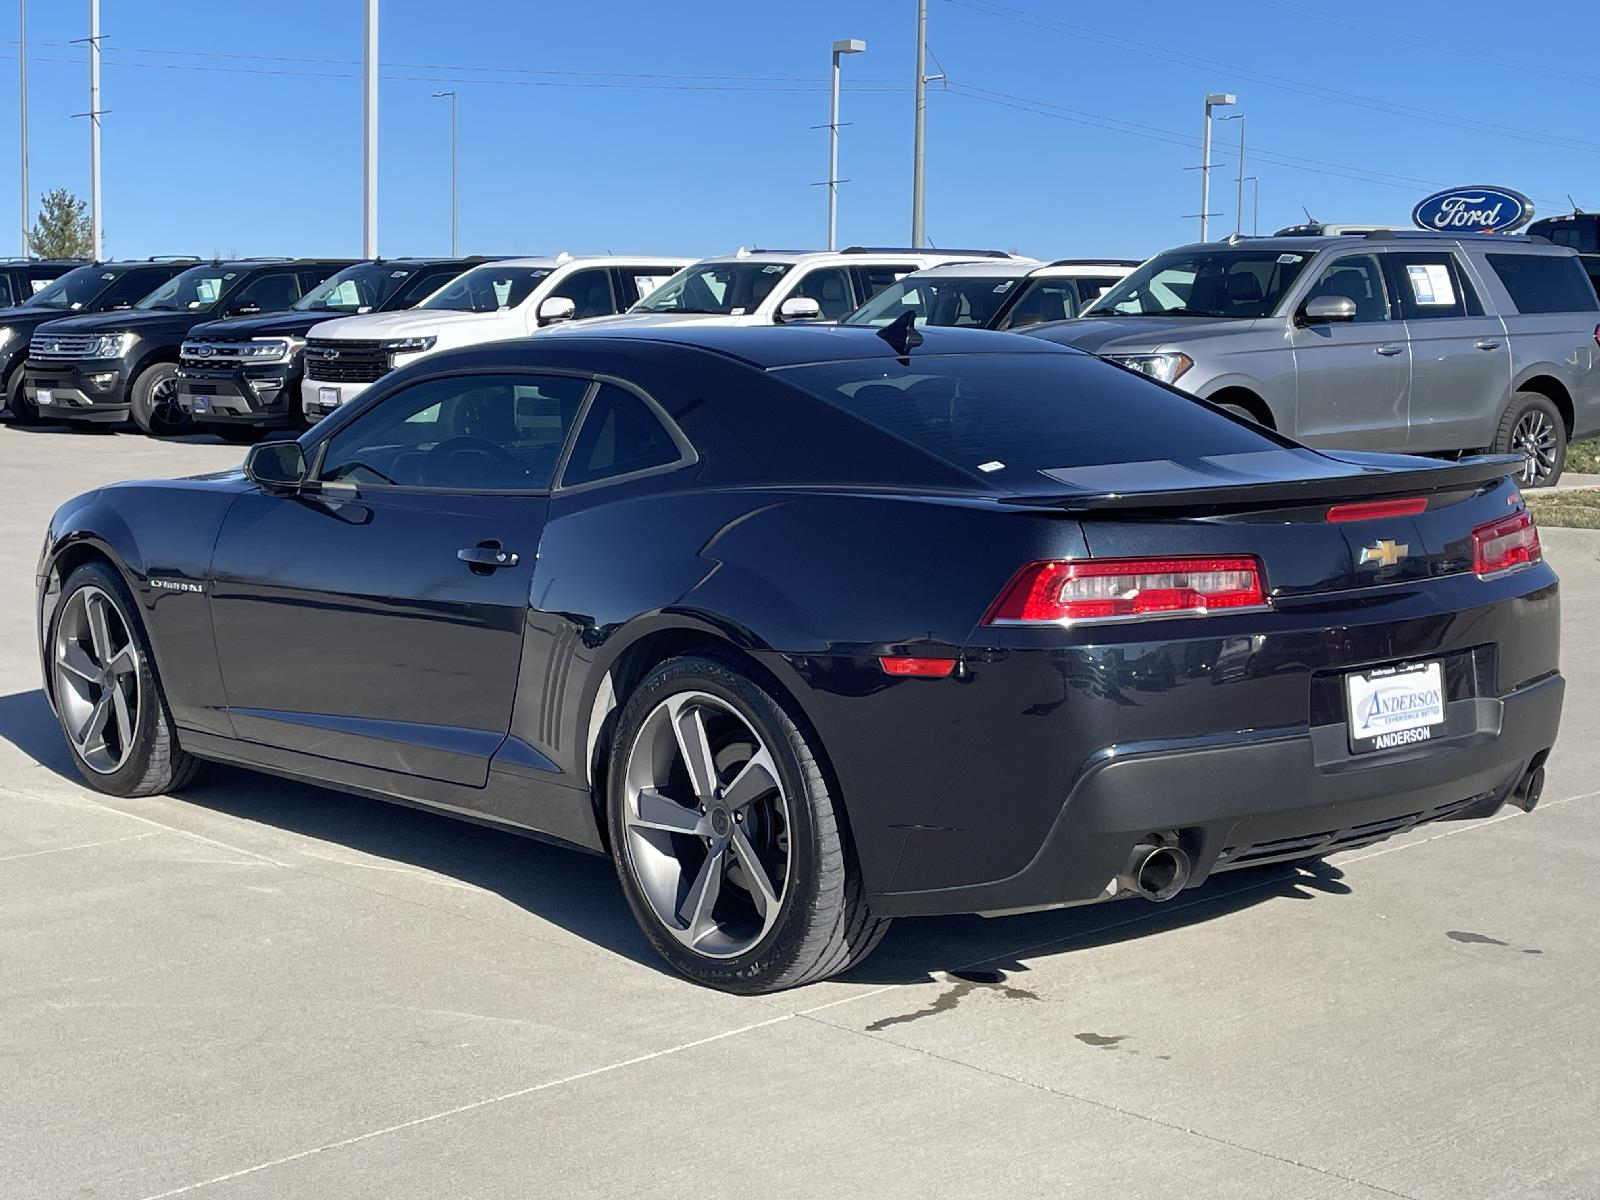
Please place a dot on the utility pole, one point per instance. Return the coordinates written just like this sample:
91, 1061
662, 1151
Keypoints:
369, 178
453, 209
840, 48
1255, 203
22, 56
917, 137
96, 229
1238, 207
1214, 100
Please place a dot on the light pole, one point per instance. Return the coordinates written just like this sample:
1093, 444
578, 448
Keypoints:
369, 134
917, 134
95, 227
1214, 100
22, 56
1255, 203
453, 209
1238, 204
840, 48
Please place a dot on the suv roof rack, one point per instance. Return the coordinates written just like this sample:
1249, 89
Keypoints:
1094, 262
924, 250
173, 258
1391, 235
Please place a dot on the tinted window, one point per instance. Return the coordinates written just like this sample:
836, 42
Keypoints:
270, 293
938, 300
359, 288
1356, 277
1582, 234
830, 288
1431, 284
488, 289
1544, 283
1045, 300
195, 290
589, 290
638, 282
879, 276
1206, 283
77, 288
467, 432
1006, 417
6, 298
723, 288
620, 435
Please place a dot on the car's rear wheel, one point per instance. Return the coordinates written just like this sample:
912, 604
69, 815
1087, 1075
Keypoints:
727, 838
23, 411
108, 699
153, 404
1533, 427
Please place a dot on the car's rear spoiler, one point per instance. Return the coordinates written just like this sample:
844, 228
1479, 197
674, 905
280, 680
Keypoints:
1354, 476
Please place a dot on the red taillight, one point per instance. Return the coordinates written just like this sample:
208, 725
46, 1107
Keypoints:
1506, 545
924, 668
1372, 509
1113, 589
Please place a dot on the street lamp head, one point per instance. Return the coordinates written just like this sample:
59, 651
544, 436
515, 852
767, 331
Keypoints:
437, 95
849, 46
1219, 99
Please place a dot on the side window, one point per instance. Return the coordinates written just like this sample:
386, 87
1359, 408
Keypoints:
6, 298
310, 280
873, 279
1092, 287
1045, 300
1430, 284
620, 435
133, 285
1544, 283
270, 293
633, 284
590, 291
830, 288
1357, 277
500, 433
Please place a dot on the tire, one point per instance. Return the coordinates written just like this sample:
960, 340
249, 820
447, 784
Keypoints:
1240, 411
23, 411
153, 402
1533, 427
814, 922
137, 751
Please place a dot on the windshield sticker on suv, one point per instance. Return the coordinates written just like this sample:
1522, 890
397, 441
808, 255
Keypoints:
1002, 289
1286, 259
773, 269
1431, 283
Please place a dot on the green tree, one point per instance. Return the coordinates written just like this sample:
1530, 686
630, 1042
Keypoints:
62, 229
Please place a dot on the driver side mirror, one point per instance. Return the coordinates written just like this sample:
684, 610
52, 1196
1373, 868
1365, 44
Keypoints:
276, 466
554, 309
1328, 310
799, 308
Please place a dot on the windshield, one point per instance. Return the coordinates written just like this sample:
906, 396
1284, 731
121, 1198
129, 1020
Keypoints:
75, 289
728, 289
949, 300
1205, 282
488, 289
357, 289
196, 290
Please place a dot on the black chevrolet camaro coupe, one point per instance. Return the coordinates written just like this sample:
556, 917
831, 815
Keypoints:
812, 627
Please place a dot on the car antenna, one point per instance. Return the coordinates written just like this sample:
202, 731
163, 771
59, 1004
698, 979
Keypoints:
902, 333
1576, 211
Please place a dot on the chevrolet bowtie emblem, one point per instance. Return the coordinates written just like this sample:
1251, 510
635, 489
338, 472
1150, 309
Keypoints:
1385, 553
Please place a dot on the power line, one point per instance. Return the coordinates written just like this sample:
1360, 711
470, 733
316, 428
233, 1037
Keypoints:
1190, 60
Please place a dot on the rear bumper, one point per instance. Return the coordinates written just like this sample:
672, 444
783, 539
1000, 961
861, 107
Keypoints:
262, 397
88, 391
1268, 797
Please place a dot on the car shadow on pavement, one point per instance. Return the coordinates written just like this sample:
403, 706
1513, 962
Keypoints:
579, 892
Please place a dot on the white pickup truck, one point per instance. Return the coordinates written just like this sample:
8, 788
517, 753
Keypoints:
506, 299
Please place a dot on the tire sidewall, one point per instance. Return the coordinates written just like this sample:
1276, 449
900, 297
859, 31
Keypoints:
754, 970
22, 413
1521, 404
152, 706
141, 405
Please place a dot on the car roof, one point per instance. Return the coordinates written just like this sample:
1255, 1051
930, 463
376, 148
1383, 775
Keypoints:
1383, 237
857, 254
566, 260
1026, 268
769, 347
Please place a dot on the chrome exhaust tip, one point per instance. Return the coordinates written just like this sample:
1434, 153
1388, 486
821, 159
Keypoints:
1156, 872
1527, 792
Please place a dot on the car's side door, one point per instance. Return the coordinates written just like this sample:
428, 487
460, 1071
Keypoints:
1351, 377
590, 291
376, 616
831, 288
1460, 356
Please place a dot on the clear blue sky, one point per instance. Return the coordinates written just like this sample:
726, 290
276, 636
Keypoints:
686, 127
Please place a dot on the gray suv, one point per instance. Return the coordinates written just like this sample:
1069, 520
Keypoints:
1416, 343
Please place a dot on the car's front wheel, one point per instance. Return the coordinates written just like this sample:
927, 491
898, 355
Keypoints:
108, 699
727, 838
153, 402
1534, 428
23, 411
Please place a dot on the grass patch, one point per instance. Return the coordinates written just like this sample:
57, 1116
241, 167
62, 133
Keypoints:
1565, 510
1584, 457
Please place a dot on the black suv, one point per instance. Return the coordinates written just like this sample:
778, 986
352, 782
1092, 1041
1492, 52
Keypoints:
1581, 231
106, 368
242, 375
22, 278
95, 288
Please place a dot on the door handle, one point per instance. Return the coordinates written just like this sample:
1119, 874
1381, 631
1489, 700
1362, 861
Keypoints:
1389, 351
1488, 344
487, 556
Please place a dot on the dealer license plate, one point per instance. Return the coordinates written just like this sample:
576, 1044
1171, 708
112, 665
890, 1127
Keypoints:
328, 397
44, 397
1394, 706
200, 404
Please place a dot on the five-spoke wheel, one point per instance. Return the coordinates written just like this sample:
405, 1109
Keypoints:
98, 690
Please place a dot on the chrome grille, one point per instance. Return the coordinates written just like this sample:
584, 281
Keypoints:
335, 360
218, 353
61, 347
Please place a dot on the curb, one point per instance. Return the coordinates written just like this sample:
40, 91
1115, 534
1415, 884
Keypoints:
1570, 544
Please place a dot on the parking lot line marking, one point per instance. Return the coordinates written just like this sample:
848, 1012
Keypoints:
472, 1106
136, 837
1469, 827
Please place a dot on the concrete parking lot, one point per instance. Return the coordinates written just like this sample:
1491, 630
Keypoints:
263, 989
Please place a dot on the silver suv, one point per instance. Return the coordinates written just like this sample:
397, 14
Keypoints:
1420, 343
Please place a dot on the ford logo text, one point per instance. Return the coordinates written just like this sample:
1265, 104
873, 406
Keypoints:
1473, 210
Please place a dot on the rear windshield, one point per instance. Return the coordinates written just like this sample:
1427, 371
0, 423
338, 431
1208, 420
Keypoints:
1544, 283
1006, 417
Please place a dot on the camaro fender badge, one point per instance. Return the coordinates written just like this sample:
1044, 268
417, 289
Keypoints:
177, 585
1384, 552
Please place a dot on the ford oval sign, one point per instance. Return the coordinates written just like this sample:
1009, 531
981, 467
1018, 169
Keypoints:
1473, 210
